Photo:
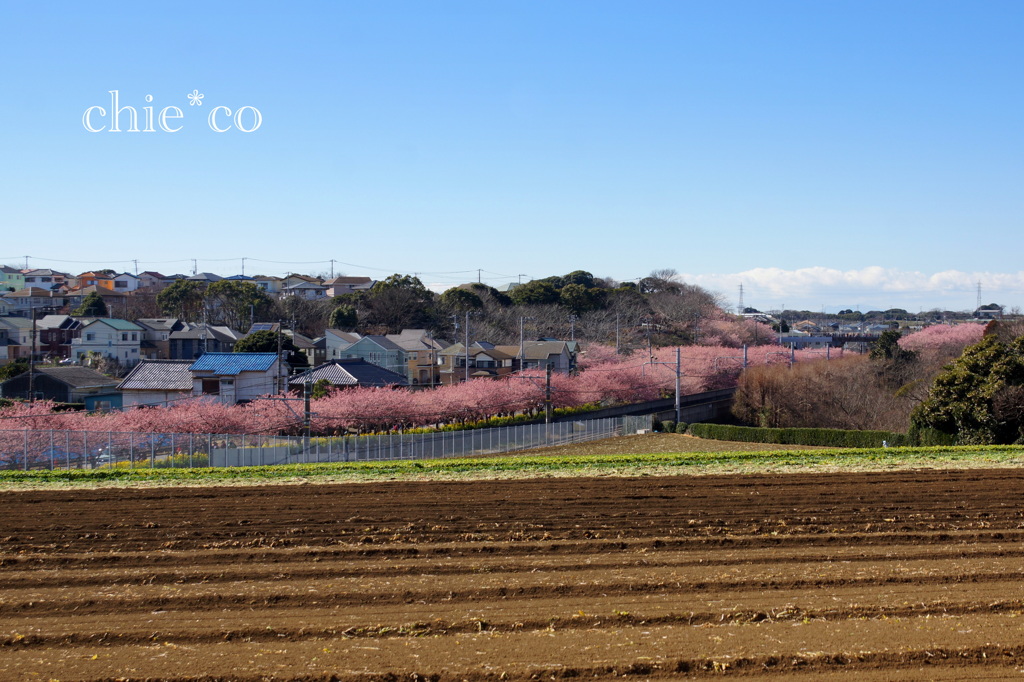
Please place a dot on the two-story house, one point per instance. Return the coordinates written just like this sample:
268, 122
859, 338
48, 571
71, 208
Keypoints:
156, 333
421, 351
485, 360
45, 279
337, 341
11, 279
110, 338
561, 355
380, 351
196, 339
348, 285
17, 337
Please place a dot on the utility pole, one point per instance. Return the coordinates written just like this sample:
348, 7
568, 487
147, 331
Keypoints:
479, 276
572, 327
195, 267
307, 419
243, 266
332, 268
547, 394
467, 345
136, 261
280, 362
32, 359
679, 374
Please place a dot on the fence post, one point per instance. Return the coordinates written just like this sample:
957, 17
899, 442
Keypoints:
51, 449
67, 448
131, 449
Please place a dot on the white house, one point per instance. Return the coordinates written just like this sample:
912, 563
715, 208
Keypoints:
238, 377
119, 340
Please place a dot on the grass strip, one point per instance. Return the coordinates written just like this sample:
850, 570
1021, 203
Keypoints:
527, 466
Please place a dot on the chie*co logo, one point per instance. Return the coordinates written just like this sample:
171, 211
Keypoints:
170, 119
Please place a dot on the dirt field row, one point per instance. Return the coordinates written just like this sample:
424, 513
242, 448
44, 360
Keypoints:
902, 575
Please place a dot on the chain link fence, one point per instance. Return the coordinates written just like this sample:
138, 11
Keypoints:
48, 449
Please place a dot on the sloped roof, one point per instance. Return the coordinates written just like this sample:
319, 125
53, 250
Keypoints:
351, 372
347, 337
537, 350
196, 331
30, 292
159, 375
163, 324
233, 363
349, 280
78, 377
382, 341
120, 325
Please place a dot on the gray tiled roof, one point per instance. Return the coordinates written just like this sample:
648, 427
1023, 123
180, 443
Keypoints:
159, 375
79, 377
351, 372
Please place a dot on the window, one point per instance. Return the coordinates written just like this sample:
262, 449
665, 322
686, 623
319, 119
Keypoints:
211, 386
135, 336
120, 285
124, 336
90, 336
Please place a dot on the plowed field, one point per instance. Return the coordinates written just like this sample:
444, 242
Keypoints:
896, 575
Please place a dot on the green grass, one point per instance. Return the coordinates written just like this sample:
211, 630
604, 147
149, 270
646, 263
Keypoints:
539, 466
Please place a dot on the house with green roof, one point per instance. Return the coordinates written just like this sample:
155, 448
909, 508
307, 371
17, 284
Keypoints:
109, 338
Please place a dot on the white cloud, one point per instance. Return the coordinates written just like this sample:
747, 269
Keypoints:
869, 287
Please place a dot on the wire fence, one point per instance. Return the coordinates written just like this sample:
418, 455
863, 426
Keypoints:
51, 449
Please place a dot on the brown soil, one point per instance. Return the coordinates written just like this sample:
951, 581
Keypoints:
890, 575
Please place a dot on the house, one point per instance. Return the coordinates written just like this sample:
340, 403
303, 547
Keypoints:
421, 351
272, 285
11, 279
156, 334
561, 355
207, 277
126, 282
114, 300
118, 340
194, 340
306, 346
337, 341
24, 301
238, 377
339, 286
309, 291
803, 342
91, 279
485, 360
380, 351
349, 372
293, 279
54, 334
152, 281
157, 382
15, 337
62, 385
5, 306
45, 279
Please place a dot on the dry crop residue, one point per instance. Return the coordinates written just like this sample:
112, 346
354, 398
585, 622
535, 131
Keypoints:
908, 574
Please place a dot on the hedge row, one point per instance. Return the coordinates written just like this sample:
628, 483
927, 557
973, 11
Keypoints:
836, 438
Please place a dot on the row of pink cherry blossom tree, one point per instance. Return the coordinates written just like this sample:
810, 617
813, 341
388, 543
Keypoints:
604, 378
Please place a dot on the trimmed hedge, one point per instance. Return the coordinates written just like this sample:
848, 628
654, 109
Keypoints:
836, 438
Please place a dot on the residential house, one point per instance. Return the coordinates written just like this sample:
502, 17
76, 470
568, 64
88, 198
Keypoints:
5, 306
91, 279
270, 284
238, 377
485, 360
561, 355
293, 279
11, 279
309, 291
157, 382
114, 300
54, 334
156, 335
110, 338
337, 341
380, 351
195, 340
62, 385
306, 346
126, 282
207, 277
421, 351
15, 337
349, 372
152, 281
348, 285
45, 279
24, 301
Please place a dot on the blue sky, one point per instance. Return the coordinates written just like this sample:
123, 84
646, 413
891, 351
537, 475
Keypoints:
824, 154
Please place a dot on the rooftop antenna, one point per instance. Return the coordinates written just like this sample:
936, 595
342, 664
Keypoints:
195, 268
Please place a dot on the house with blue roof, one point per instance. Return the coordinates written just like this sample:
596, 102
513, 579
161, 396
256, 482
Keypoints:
238, 377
